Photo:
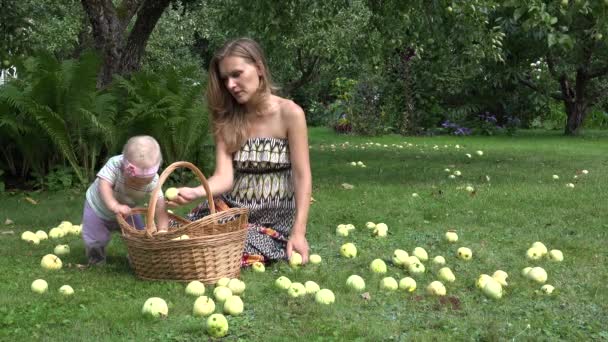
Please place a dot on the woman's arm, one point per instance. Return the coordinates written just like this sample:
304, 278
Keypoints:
162, 218
302, 178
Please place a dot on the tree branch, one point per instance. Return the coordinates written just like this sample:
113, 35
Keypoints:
127, 10
599, 72
534, 87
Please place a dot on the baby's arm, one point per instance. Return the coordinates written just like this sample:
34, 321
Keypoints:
107, 195
162, 218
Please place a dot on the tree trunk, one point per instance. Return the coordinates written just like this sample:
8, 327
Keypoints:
575, 101
576, 112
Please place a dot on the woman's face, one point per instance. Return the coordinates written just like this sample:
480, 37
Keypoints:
240, 77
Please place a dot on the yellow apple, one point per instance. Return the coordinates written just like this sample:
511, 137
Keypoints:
399, 257
203, 306
342, 230
416, 268
501, 277
30, 237
541, 247
482, 280
370, 225
348, 250
356, 283
51, 262
451, 236
62, 250
282, 283
221, 293
258, 267
314, 259
421, 254
155, 307
217, 325
412, 259
233, 306
538, 274
408, 284
389, 284
296, 290
171, 194
325, 296
439, 260
40, 286
56, 233
223, 282
436, 288
296, 260
465, 253
534, 253
556, 255
446, 274
525, 271
66, 290
547, 289
492, 289
195, 288
311, 287
237, 286
378, 266
41, 234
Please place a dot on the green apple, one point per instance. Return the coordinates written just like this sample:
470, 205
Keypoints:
221, 293
370, 225
534, 253
314, 259
237, 286
421, 254
311, 287
348, 250
295, 260
233, 306
282, 283
258, 267
389, 284
436, 288
217, 325
446, 274
62, 250
296, 290
42, 235
449, 9
325, 296
378, 266
195, 288
501, 277
155, 307
538, 274
451, 236
341, 230
356, 283
51, 262
564, 3
171, 194
407, 284
525, 271
541, 247
465, 253
66, 290
223, 282
556, 255
492, 289
482, 280
439, 260
547, 289
40, 286
416, 268
203, 306
399, 257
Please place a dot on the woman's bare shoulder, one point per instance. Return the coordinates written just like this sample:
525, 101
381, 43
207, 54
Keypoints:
289, 109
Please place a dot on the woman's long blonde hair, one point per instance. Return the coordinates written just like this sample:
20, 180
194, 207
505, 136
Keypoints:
228, 115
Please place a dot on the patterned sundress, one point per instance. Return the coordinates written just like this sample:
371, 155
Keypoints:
263, 183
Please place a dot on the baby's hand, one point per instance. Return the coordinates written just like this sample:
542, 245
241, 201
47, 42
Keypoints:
122, 209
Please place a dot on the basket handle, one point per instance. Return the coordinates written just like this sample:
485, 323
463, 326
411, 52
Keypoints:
151, 226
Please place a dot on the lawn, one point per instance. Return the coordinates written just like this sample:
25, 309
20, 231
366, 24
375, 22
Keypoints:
515, 203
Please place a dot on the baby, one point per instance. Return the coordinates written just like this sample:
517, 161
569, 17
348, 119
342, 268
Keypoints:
123, 183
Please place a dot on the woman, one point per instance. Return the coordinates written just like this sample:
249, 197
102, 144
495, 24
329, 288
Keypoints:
262, 160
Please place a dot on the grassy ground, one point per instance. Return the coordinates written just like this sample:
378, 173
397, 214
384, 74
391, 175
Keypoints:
520, 204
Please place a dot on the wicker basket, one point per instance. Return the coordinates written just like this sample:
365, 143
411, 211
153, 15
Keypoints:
213, 250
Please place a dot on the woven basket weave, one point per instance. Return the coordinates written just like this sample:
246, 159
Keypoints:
212, 251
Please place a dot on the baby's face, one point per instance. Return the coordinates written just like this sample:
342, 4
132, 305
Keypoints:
138, 182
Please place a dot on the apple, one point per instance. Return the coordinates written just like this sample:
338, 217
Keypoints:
399, 257
449, 9
407, 284
479, 152
311, 287
296, 290
295, 261
525, 271
482, 280
457, 173
465, 253
556, 255
439, 260
195, 288
492, 289
40, 286
237, 286
564, 3
223, 282
415, 195
547, 289
416, 268
360, 163
325, 296
570, 185
436, 288
66, 226
353, 163
389, 284
378, 266
171, 194
76, 229
412, 259
348, 250
541, 247
155, 307
469, 188
356, 283
501, 277
56, 233
447, 275
217, 325
203, 306
62, 250
446, 170
538, 274
381, 230
221, 293
585, 172
421, 254
314, 259
66, 290
350, 227
468, 155
41, 234
6, 63
342, 230
233, 306
51, 262
30, 237
451, 236
181, 237
555, 177
451, 176
282, 283
370, 225
533, 253
258, 267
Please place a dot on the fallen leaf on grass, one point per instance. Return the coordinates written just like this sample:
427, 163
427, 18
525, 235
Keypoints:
366, 296
312, 200
31, 200
78, 266
347, 186
8, 222
8, 232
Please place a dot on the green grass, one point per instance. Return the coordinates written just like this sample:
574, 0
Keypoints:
519, 205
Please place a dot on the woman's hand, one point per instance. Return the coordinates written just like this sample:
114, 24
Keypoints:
298, 243
185, 195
